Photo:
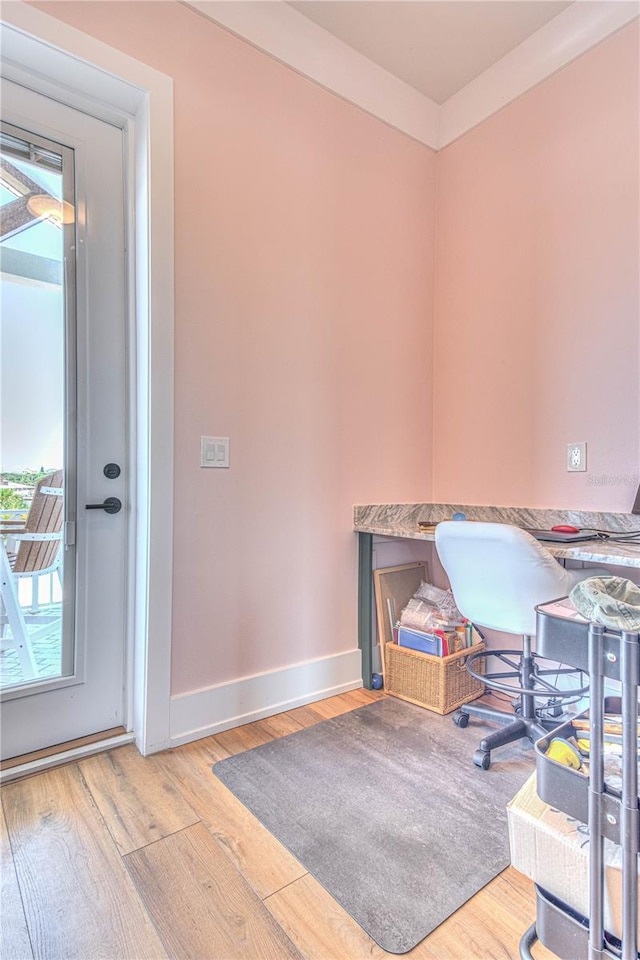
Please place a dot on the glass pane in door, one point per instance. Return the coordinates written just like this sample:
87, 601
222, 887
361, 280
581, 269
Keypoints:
36, 291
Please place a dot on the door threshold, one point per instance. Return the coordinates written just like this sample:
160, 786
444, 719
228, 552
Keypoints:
30, 763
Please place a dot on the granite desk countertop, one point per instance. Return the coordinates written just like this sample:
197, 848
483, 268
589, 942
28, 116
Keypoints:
401, 520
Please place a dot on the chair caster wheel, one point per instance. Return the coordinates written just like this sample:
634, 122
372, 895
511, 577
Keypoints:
482, 759
461, 719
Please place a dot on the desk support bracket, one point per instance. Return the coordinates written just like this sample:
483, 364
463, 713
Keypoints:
365, 599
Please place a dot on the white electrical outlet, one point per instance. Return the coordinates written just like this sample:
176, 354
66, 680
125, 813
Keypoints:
576, 457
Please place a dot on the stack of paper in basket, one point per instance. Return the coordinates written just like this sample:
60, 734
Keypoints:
432, 623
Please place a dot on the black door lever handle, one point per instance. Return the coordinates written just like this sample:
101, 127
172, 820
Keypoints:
110, 505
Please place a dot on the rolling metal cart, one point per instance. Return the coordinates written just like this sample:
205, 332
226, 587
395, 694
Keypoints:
610, 813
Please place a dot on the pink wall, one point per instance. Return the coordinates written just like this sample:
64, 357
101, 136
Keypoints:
537, 284
304, 303
305, 322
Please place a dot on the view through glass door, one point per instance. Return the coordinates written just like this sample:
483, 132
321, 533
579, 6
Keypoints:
36, 196
63, 429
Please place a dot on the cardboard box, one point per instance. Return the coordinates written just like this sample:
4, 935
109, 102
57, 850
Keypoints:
553, 850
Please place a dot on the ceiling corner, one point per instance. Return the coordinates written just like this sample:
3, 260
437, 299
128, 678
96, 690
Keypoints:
283, 33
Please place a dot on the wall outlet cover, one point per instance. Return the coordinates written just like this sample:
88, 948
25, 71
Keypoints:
577, 457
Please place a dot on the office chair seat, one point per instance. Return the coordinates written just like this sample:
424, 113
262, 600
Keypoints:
498, 574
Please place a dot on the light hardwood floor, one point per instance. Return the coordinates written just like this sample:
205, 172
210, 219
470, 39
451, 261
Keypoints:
123, 857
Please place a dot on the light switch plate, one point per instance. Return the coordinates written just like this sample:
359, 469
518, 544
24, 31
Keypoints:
214, 451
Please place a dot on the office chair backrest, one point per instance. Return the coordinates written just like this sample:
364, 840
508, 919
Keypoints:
498, 573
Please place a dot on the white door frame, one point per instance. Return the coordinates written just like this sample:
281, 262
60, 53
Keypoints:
59, 61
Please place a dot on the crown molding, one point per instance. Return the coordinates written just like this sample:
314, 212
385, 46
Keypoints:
570, 34
288, 36
283, 33
296, 41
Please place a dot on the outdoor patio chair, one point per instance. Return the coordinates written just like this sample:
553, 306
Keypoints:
30, 548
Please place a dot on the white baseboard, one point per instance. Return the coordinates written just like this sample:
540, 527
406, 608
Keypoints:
214, 709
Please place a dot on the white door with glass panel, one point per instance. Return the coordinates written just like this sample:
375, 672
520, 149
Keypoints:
63, 424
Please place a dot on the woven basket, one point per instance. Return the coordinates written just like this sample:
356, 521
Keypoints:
441, 684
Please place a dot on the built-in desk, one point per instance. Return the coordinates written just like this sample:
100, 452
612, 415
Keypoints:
400, 521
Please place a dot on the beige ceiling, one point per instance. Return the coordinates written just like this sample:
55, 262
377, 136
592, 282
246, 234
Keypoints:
436, 46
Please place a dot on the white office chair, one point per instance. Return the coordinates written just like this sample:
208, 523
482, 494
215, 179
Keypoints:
498, 574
